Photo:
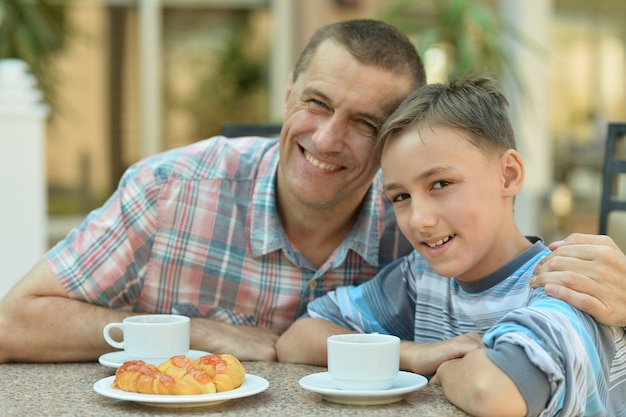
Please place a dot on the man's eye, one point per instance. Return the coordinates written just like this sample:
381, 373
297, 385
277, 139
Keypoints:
317, 103
441, 184
400, 197
369, 129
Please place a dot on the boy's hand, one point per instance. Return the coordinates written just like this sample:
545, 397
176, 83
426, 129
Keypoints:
425, 358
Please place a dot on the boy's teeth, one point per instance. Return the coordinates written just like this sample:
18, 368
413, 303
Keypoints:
439, 242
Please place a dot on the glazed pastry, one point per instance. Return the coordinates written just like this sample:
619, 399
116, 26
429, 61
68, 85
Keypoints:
138, 376
181, 375
225, 370
187, 371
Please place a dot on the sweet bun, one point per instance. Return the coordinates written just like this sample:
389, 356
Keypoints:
186, 371
181, 375
225, 370
138, 376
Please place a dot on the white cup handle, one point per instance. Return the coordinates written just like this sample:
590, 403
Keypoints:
109, 339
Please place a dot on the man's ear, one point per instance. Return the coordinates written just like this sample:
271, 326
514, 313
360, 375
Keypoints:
287, 94
512, 167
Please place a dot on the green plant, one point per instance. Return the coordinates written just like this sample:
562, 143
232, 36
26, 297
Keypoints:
473, 35
33, 31
235, 91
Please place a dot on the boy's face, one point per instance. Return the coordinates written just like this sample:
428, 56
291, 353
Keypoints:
332, 114
450, 199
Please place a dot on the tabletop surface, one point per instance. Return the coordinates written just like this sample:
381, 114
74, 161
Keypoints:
67, 390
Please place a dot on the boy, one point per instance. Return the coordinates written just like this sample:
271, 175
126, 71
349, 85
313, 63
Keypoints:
452, 172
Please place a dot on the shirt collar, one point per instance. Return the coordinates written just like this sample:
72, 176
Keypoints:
268, 235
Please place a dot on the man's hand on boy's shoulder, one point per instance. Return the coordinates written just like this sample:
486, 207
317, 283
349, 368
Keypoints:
588, 272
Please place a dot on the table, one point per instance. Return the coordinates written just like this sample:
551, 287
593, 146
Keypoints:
67, 390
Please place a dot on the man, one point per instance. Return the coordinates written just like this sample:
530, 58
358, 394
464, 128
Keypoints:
225, 232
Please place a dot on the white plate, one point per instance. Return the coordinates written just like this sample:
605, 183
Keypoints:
117, 358
404, 383
252, 384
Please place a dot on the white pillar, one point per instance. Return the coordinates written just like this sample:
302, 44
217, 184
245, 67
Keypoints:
23, 207
283, 53
150, 90
530, 112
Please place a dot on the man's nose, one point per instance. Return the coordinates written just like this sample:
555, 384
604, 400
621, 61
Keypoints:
330, 135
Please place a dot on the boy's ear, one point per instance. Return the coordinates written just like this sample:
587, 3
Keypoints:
287, 93
512, 172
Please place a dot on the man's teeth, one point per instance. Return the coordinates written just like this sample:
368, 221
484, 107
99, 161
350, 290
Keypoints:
318, 164
440, 242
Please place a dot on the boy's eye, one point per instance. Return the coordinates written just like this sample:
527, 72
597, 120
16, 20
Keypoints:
400, 197
440, 184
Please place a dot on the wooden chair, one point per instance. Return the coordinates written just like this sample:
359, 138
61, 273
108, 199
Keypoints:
614, 183
233, 130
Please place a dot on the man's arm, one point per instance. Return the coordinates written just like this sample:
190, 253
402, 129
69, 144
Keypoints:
588, 272
479, 387
40, 323
246, 343
305, 341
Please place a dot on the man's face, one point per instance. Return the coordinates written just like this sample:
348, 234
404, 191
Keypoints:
332, 113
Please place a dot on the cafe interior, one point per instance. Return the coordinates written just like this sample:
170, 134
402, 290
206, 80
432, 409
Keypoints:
136, 77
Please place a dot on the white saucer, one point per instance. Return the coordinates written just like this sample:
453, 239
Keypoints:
252, 384
117, 358
404, 383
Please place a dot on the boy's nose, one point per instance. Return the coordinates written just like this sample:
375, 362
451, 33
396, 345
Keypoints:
423, 216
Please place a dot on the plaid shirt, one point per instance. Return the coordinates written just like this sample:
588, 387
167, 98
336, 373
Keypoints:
194, 231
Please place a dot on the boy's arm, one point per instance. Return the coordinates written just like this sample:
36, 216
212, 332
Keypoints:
365, 308
425, 358
479, 387
305, 341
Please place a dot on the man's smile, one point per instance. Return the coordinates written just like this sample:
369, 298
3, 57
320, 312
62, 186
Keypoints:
319, 164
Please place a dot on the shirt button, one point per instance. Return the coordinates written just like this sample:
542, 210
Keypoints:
312, 285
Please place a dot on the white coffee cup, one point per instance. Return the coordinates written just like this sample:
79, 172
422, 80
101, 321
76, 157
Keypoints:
363, 362
151, 336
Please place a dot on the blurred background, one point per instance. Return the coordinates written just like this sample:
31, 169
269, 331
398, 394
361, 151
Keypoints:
124, 79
